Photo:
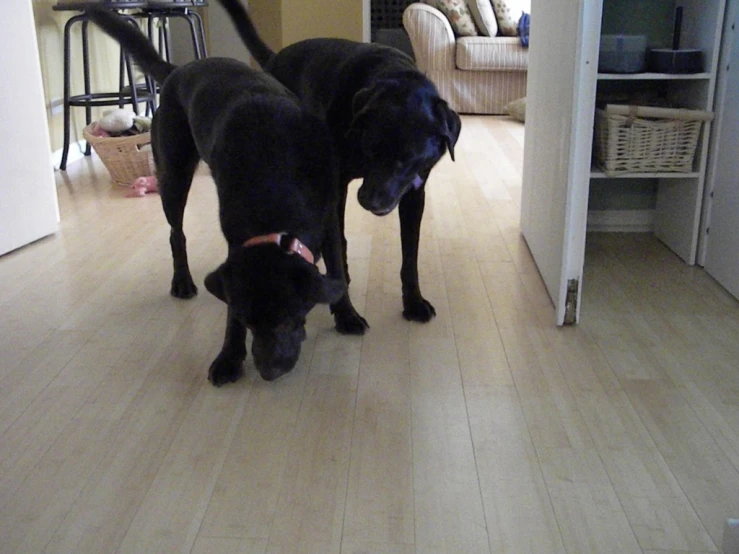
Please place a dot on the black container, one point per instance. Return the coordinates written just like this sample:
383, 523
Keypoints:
667, 60
675, 59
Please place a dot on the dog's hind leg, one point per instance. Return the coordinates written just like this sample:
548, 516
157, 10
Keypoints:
176, 159
410, 210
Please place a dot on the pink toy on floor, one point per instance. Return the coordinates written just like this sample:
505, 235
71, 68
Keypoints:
141, 185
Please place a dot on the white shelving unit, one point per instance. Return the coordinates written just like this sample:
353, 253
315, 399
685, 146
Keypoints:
563, 82
679, 195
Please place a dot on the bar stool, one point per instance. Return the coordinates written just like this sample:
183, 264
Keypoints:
156, 12
159, 12
131, 94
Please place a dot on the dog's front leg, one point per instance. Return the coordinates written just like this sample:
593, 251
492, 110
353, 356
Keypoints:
348, 321
410, 210
229, 364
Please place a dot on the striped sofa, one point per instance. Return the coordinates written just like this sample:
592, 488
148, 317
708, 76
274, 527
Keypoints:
478, 75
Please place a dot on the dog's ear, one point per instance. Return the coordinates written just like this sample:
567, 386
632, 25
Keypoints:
216, 282
450, 123
364, 101
317, 288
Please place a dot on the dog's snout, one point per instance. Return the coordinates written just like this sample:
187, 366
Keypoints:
379, 202
272, 369
277, 354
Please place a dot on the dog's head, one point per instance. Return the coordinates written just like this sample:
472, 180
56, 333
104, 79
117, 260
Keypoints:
270, 292
405, 128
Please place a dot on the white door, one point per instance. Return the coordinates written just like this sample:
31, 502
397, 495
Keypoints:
28, 202
722, 253
560, 106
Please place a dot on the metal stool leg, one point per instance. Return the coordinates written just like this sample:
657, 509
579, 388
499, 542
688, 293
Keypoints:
201, 34
150, 85
197, 33
86, 74
132, 84
164, 38
67, 78
121, 76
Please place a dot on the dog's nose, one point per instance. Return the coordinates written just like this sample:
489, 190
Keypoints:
270, 374
278, 369
378, 204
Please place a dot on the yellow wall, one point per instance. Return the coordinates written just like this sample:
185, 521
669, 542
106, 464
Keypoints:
321, 18
283, 22
267, 15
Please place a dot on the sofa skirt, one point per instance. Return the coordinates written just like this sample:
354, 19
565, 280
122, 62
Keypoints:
479, 92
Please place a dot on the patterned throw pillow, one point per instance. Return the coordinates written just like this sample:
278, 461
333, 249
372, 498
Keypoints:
484, 16
459, 16
508, 12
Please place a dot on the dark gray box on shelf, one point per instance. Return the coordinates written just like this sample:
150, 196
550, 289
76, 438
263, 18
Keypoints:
622, 53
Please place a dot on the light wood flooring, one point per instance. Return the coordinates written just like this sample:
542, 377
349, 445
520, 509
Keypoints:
487, 430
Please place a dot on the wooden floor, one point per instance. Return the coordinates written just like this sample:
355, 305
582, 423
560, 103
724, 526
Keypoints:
487, 430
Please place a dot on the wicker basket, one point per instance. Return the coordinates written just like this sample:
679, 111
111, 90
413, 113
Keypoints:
125, 157
641, 139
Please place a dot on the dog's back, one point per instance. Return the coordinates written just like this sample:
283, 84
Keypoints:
231, 98
345, 67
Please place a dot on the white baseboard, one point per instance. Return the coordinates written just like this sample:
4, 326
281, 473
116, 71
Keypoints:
76, 152
621, 221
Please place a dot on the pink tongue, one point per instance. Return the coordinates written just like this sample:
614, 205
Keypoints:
417, 181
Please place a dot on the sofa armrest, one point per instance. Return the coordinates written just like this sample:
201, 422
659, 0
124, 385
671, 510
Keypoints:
431, 36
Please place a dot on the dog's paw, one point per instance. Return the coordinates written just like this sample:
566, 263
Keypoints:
350, 323
183, 287
225, 369
419, 310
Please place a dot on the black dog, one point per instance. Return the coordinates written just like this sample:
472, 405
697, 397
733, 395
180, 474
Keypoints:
388, 122
277, 181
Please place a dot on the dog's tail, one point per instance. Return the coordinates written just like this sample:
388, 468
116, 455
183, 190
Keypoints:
133, 41
248, 33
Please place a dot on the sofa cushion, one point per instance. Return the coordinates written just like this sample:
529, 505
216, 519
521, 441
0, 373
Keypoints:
459, 16
496, 53
507, 13
484, 16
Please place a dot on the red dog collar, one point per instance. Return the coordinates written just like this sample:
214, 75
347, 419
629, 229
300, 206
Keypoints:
287, 242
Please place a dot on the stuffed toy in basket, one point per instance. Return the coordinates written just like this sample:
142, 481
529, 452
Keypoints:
123, 142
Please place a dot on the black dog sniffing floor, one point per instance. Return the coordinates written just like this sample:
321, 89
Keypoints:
390, 128
275, 170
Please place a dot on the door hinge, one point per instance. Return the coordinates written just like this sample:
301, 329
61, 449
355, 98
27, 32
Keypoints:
573, 286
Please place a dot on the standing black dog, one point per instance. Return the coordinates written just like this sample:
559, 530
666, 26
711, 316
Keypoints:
276, 175
388, 122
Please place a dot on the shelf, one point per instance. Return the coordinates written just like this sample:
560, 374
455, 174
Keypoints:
653, 76
596, 173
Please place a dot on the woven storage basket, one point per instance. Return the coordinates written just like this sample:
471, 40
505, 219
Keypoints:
641, 139
124, 157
